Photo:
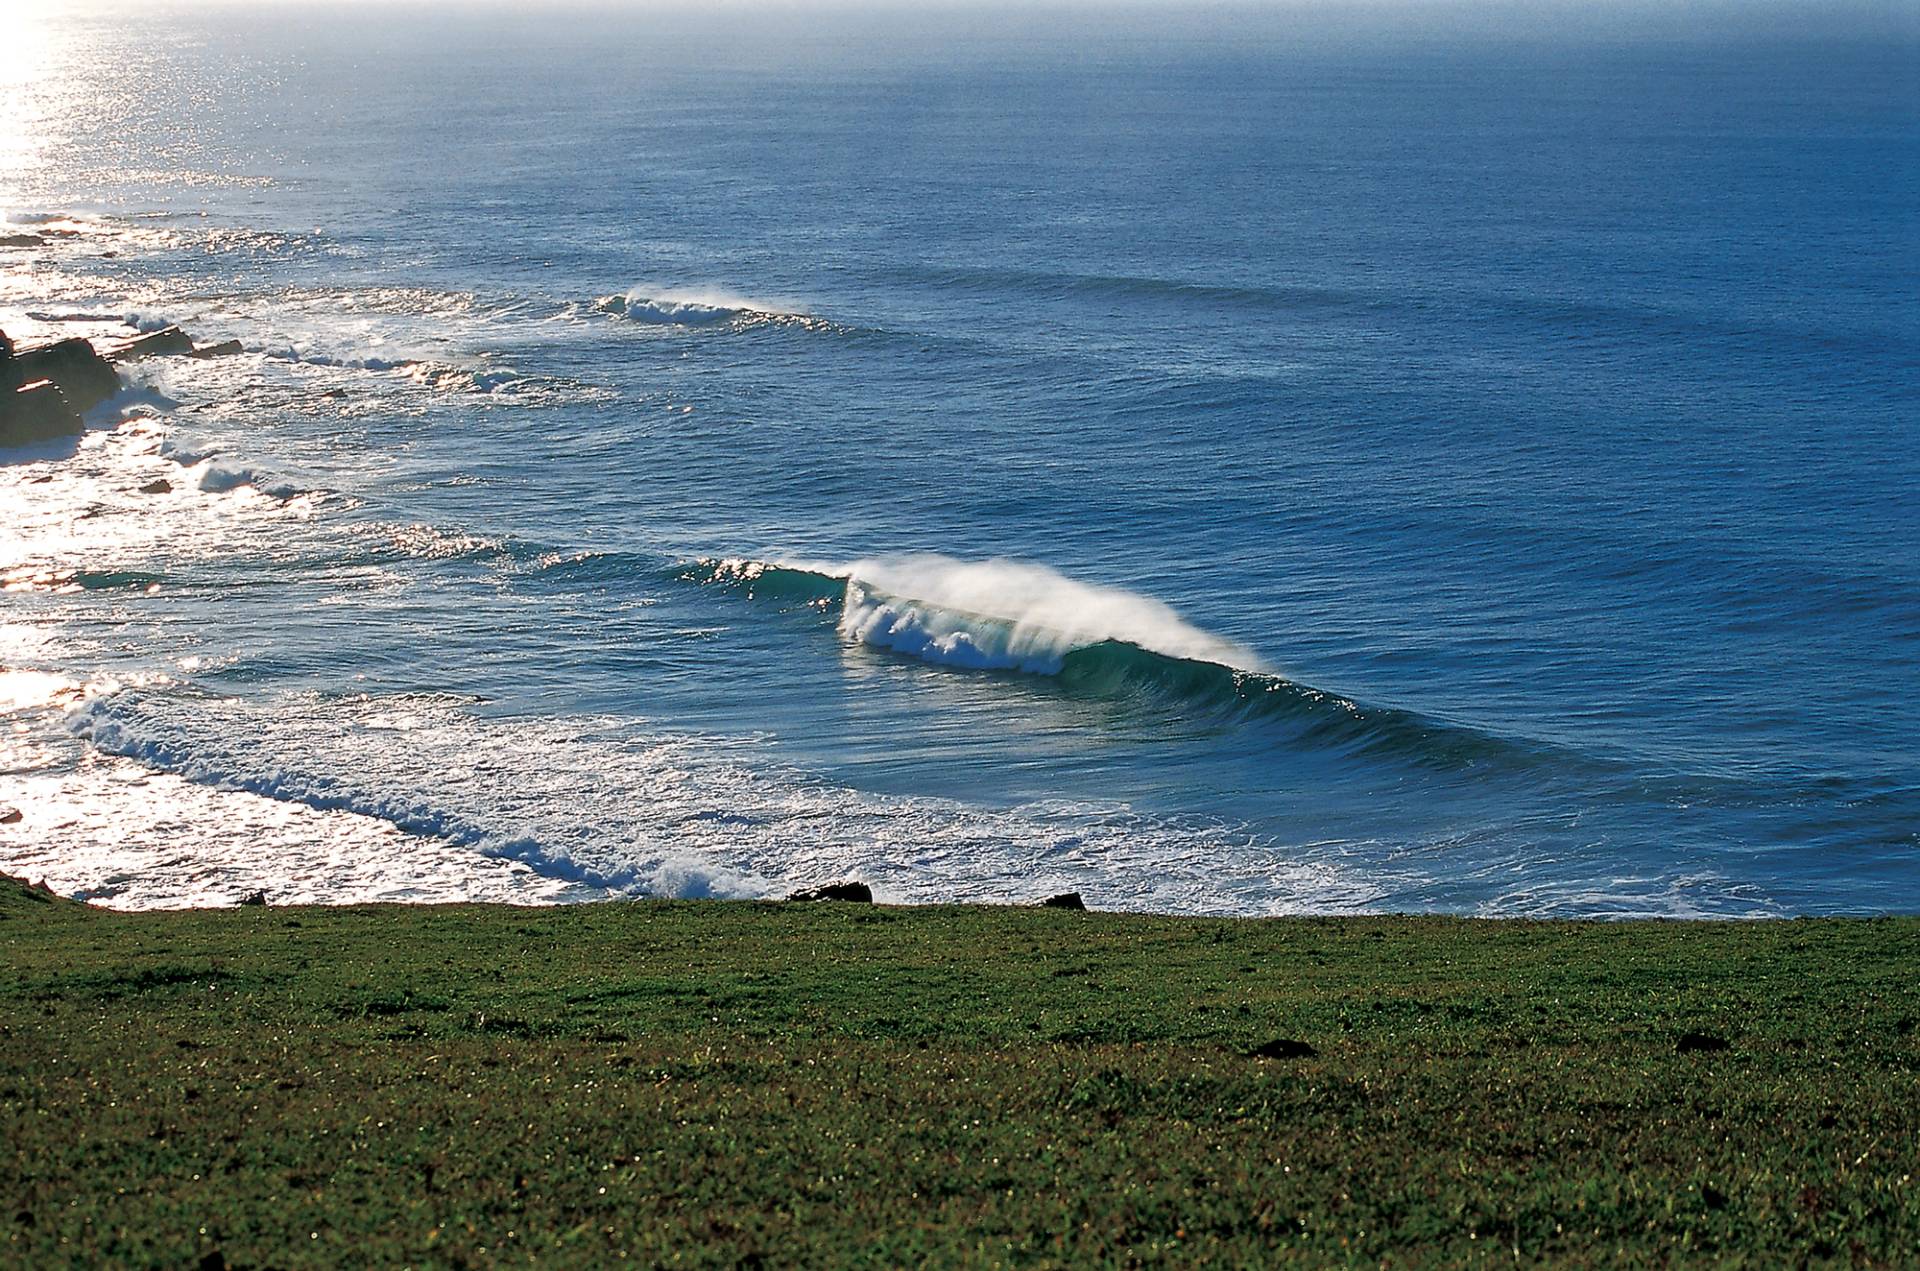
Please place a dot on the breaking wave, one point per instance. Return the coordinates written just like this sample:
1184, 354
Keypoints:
698, 308
1094, 641
425, 372
212, 477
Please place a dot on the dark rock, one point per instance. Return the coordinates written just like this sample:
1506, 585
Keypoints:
1065, 900
1283, 1048
83, 375
22, 240
166, 342
37, 412
9, 816
226, 348
159, 485
858, 892
257, 898
1692, 1042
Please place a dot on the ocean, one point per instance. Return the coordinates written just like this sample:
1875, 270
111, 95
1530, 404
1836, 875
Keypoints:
1217, 462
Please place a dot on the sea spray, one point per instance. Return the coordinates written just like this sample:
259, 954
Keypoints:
1012, 615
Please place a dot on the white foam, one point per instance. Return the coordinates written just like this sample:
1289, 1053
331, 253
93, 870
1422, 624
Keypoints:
596, 803
114, 832
310, 357
213, 477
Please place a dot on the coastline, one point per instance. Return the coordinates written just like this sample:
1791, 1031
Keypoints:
733, 1082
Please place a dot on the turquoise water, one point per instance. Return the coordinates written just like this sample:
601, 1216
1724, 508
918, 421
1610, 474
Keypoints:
1207, 467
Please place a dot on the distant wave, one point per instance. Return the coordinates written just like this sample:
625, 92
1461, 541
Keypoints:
28, 578
430, 374
290, 353
1093, 641
126, 319
1282, 297
1188, 291
705, 308
48, 218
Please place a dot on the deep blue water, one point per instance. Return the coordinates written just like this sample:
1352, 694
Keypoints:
1523, 432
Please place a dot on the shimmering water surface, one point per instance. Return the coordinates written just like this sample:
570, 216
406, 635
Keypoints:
1210, 467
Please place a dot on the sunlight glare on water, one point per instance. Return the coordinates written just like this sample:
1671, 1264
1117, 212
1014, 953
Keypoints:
1278, 468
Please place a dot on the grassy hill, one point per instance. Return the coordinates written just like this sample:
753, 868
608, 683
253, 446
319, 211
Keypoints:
716, 1083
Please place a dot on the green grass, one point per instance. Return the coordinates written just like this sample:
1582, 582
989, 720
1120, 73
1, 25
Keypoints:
716, 1084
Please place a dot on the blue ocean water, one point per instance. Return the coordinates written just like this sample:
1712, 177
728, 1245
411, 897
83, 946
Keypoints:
1212, 465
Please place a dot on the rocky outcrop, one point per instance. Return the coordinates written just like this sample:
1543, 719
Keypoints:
858, 892
22, 240
37, 412
82, 375
1065, 900
33, 407
166, 342
44, 391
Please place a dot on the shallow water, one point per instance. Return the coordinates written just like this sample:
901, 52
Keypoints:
1211, 473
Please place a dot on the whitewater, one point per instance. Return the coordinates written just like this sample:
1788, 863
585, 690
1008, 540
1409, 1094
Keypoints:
983, 464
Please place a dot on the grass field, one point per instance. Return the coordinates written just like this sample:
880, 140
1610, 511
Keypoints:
716, 1083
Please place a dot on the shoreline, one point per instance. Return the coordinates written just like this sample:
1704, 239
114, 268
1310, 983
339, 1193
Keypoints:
831, 892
